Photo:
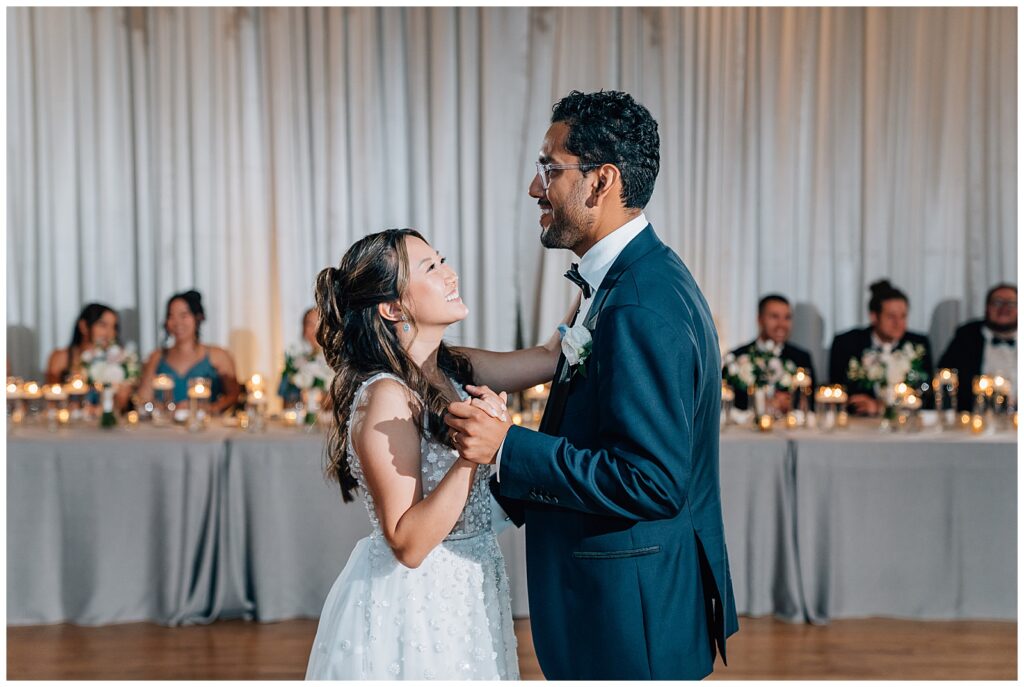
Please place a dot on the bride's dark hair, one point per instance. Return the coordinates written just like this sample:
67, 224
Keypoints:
358, 343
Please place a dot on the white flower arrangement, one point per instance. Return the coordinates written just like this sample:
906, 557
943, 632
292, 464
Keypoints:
900, 365
111, 365
577, 343
311, 371
759, 368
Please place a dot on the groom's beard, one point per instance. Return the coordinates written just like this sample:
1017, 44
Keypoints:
569, 224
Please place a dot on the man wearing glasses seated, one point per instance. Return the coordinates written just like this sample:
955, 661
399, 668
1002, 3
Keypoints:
986, 346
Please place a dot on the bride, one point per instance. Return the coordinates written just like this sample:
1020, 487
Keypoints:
426, 595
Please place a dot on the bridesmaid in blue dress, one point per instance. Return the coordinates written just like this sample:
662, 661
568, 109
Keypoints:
187, 357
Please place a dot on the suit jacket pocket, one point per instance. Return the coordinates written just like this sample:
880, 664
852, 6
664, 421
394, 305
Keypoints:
628, 553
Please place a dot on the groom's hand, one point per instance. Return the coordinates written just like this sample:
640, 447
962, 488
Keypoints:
477, 434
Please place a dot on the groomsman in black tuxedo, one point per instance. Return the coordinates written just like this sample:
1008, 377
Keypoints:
888, 330
774, 322
987, 346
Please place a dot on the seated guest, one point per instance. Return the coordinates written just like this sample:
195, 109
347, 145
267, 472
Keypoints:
186, 357
309, 347
97, 326
774, 322
887, 311
986, 346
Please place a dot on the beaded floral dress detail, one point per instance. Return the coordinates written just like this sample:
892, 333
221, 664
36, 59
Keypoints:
449, 618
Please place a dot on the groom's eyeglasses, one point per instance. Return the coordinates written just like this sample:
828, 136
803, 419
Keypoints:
543, 170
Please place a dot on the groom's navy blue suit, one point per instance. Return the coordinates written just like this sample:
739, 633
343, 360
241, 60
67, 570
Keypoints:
619, 490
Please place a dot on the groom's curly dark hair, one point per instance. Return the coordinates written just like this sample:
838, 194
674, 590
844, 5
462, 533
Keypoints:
609, 127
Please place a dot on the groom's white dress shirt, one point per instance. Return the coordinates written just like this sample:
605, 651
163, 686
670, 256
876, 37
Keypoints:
593, 267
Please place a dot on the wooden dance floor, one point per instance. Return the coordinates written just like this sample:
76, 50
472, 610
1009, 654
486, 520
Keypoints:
765, 649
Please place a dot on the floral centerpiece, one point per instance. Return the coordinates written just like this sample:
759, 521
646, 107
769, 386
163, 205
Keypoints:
878, 368
106, 367
880, 372
757, 368
311, 374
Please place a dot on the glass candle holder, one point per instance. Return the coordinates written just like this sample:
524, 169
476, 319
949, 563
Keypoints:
56, 401
946, 385
910, 408
802, 392
825, 406
982, 389
32, 393
15, 403
199, 393
1001, 391
163, 398
78, 391
728, 397
977, 424
841, 398
255, 410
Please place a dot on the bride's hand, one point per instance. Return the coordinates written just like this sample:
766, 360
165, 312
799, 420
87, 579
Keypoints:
493, 404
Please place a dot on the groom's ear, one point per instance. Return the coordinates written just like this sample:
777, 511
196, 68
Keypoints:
609, 179
390, 311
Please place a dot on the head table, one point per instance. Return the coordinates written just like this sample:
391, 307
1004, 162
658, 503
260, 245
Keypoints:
163, 525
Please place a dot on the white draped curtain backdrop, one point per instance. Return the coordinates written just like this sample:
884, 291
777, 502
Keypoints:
807, 151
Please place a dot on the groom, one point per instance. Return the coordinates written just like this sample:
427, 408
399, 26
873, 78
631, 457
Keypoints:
619, 490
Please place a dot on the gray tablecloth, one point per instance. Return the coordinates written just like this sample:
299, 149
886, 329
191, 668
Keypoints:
907, 526
107, 527
291, 533
757, 473
160, 525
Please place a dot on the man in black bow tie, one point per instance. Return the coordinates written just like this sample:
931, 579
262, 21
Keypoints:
887, 310
618, 489
774, 323
986, 346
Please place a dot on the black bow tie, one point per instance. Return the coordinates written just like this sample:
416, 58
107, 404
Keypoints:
1004, 342
576, 278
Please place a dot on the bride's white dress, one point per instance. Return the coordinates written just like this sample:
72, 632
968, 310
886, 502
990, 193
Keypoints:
449, 618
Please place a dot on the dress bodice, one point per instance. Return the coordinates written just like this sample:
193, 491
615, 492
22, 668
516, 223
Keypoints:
435, 461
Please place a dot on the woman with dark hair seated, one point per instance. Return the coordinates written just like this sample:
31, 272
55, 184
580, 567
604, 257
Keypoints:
186, 357
97, 326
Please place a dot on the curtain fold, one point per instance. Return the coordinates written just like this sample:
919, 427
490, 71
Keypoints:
806, 151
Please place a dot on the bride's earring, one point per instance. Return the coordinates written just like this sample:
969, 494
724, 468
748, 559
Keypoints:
405, 323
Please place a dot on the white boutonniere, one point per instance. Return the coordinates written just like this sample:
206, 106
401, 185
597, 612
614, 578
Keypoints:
576, 345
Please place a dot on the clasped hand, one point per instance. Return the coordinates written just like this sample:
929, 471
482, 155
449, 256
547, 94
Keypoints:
480, 424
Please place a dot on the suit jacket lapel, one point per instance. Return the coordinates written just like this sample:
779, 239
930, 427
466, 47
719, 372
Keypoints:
644, 242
